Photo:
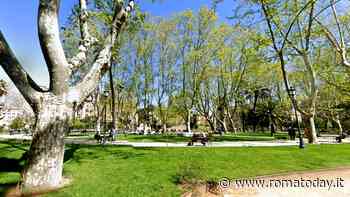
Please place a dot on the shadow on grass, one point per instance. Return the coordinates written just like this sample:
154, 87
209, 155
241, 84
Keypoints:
4, 188
127, 154
10, 165
98, 152
69, 153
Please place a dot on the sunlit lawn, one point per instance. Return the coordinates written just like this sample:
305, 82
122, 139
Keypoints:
125, 171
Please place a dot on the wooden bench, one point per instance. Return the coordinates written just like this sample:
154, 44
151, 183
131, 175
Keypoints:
340, 137
102, 139
202, 138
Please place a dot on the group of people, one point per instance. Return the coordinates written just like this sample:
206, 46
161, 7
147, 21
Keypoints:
103, 138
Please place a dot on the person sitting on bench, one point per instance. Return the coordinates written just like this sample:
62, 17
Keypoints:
201, 137
341, 137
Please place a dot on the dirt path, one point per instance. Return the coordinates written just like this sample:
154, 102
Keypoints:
323, 183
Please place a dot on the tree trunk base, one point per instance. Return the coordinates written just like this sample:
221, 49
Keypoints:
312, 136
43, 170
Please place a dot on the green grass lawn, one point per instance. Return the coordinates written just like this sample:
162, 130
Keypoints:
126, 171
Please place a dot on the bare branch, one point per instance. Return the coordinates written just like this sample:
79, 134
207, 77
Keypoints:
99, 68
51, 46
18, 75
309, 29
269, 24
342, 43
296, 17
331, 38
341, 50
86, 39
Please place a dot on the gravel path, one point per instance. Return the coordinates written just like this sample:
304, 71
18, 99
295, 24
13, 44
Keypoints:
338, 179
322, 140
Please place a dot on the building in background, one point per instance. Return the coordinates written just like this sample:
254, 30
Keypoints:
12, 106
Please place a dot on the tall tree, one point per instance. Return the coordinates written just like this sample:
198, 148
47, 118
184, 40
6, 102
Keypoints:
54, 107
301, 44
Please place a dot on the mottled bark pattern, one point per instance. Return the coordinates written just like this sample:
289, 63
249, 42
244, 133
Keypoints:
45, 163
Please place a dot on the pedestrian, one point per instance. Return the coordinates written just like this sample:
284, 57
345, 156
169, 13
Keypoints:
291, 133
113, 133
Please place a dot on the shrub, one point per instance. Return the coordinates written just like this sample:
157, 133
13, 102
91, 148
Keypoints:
189, 173
77, 124
17, 123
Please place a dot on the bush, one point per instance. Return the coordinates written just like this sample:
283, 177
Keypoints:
281, 136
189, 173
17, 123
77, 124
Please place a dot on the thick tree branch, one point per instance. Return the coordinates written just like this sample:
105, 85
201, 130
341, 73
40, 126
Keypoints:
79, 92
339, 48
86, 39
18, 75
51, 46
329, 35
343, 52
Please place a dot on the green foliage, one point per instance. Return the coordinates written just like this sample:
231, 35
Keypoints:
78, 124
189, 172
17, 123
2, 129
193, 62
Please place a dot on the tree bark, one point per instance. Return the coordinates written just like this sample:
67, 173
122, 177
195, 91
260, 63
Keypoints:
45, 163
313, 133
188, 121
340, 127
44, 166
164, 128
111, 82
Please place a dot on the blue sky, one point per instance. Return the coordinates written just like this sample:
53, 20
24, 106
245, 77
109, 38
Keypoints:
18, 22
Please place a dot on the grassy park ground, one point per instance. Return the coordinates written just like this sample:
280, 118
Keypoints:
126, 171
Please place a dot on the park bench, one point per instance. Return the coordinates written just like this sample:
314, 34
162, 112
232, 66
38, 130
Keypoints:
102, 139
341, 137
199, 137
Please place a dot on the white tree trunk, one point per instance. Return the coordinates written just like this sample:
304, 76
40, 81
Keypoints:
188, 125
313, 133
45, 164
339, 126
44, 167
225, 126
164, 128
98, 125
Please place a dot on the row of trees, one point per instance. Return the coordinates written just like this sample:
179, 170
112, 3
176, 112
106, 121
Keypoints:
234, 76
191, 65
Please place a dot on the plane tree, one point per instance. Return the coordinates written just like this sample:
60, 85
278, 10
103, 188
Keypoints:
53, 107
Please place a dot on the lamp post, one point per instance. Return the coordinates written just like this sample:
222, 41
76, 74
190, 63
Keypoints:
292, 94
105, 94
